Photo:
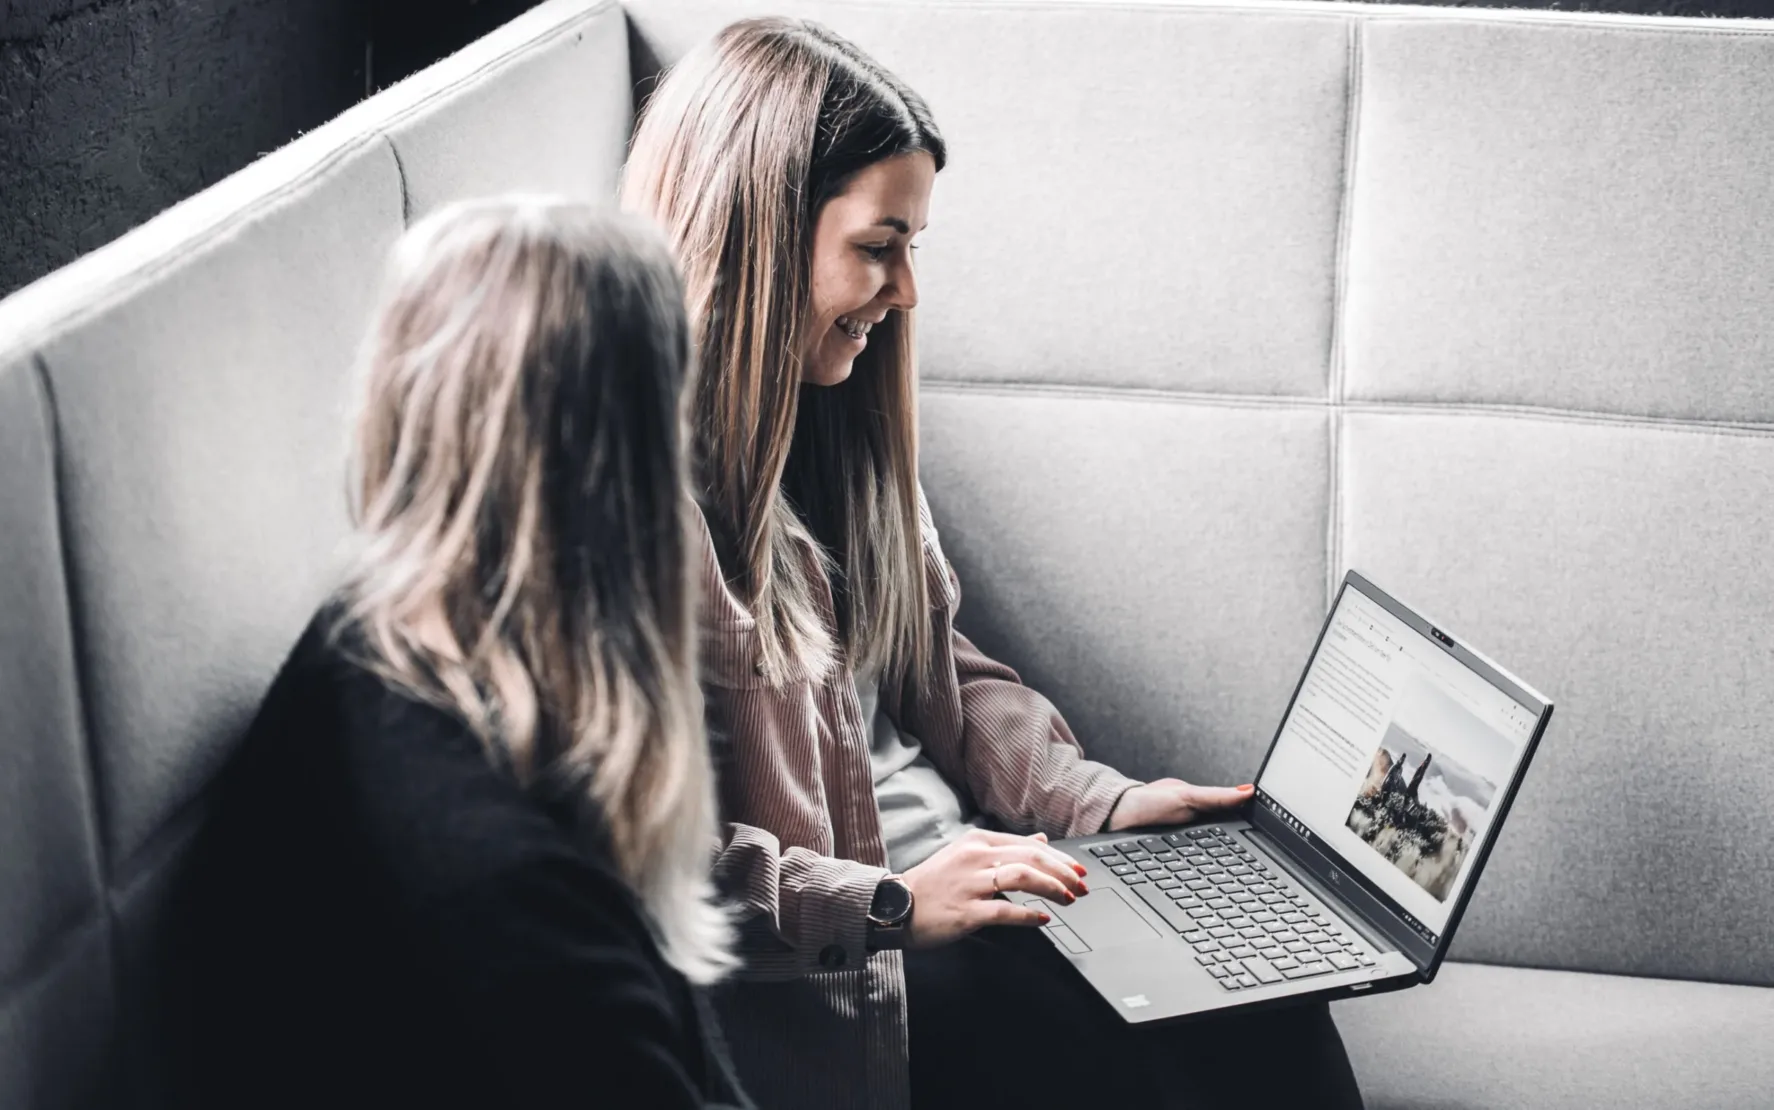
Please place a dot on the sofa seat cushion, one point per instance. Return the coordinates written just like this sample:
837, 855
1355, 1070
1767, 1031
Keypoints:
1500, 1037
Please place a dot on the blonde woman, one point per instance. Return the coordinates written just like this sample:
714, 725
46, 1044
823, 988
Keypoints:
462, 860
867, 749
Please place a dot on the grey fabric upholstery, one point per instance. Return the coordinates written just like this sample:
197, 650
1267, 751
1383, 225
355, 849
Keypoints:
1509, 1038
58, 1034
547, 108
49, 876
1565, 216
1060, 181
1072, 497
1218, 301
55, 978
186, 406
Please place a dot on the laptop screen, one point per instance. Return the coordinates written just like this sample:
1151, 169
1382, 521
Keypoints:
1396, 754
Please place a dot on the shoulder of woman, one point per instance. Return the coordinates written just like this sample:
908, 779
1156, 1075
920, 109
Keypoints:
421, 789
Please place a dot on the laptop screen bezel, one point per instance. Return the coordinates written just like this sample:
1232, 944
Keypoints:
1328, 866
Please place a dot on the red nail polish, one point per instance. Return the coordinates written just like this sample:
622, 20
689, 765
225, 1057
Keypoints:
1045, 919
1086, 890
1070, 897
1244, 786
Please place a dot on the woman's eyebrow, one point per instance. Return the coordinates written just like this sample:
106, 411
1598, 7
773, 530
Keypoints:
896, 224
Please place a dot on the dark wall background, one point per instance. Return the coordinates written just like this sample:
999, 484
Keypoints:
408, 35
111, 110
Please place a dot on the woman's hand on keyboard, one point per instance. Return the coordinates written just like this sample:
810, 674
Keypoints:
1173, 802
954, 891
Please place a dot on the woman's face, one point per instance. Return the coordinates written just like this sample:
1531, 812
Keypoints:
862, 260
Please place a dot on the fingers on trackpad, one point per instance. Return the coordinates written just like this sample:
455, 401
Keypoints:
1099, 920
1056, 928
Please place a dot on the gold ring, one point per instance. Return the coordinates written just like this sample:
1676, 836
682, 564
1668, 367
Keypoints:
995, 865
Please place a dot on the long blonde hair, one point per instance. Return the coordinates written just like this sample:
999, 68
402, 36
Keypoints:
736, 151
525, 563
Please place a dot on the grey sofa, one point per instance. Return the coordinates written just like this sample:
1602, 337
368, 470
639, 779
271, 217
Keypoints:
1218, 300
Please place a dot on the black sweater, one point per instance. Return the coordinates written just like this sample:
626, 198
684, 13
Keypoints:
381, 918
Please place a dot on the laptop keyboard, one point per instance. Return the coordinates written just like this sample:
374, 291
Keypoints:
1249, 926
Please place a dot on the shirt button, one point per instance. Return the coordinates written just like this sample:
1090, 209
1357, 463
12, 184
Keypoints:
831, 956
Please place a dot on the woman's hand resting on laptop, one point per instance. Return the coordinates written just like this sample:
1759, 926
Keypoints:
1173, 802
954, 891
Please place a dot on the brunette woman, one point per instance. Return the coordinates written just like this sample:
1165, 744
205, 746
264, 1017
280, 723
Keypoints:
873, 761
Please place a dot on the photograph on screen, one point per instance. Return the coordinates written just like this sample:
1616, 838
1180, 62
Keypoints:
1430, 786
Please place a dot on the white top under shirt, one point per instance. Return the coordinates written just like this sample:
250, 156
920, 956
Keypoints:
920, 811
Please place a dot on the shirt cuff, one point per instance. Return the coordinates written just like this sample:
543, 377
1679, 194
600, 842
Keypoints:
834, 919
1098, 801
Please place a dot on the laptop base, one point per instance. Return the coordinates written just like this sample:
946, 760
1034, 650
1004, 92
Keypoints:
1139, 961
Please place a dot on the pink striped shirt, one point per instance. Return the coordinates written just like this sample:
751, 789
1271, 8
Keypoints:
814, 1020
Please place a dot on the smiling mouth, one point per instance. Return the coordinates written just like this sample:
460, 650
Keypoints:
855, 329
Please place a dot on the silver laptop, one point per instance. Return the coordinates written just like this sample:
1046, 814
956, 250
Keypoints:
1347, 872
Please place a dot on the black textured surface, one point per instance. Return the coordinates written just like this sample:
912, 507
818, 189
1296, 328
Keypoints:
113, 110
411, 34
29, 18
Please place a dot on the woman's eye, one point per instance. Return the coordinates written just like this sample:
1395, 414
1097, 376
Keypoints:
876, 254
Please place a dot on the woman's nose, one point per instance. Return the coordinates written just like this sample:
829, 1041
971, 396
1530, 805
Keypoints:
902, 285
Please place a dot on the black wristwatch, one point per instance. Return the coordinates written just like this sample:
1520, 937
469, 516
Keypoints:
890, 914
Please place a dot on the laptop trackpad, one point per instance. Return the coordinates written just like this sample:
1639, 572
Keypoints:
1103, 919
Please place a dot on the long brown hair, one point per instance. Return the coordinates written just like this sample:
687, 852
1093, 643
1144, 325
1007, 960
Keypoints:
517, 467
736, 152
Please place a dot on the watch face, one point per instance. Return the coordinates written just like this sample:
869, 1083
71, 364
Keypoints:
893, 900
